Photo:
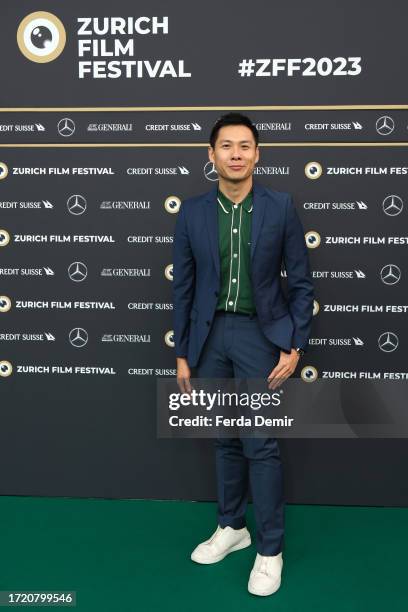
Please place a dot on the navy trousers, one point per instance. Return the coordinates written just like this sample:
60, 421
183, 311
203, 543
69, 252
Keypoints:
237, 348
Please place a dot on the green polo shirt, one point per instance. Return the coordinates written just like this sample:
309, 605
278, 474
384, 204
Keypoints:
234, 236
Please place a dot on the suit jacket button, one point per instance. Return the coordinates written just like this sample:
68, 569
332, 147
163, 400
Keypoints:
207, 322
216, 293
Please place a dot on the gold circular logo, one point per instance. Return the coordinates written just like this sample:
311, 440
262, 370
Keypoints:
313, 170
172, 204
316, 307
309, 374
4, 237
5, 368
169, 338
41, 37
5, 303
312, 239
3, 171
168, 272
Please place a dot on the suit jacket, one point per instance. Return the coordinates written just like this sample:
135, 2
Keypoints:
277, 237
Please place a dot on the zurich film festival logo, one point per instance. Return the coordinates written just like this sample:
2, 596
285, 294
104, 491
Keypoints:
168, 272
169, 338
41, 37
312, 239
3, 171
313, 170
172, 204
309, 374
5, 303
4, 237
5, 368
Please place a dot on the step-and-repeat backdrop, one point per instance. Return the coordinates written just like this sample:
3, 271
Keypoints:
105, 116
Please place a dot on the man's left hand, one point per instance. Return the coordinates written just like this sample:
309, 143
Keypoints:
283, 369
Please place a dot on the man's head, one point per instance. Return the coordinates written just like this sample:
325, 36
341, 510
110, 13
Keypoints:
234, 147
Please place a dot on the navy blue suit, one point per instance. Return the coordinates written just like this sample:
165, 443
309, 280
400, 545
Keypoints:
276, 235
232, 345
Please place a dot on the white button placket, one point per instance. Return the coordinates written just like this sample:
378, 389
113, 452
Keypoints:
239, 258
235, 257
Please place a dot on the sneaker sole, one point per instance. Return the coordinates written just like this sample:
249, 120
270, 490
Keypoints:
243, 544
264, 593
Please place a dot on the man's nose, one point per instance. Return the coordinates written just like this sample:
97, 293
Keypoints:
236, 154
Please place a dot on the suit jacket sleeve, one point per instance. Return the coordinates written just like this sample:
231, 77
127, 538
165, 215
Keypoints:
299, 279
183, 284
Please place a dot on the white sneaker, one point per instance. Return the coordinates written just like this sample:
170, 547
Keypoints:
222, 542
265, 577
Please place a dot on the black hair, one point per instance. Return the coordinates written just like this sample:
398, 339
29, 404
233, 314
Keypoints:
232, 119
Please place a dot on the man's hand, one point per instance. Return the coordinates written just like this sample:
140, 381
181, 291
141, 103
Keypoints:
183, 375
283, 369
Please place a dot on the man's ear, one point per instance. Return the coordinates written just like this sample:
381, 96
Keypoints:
210, 154
257, 154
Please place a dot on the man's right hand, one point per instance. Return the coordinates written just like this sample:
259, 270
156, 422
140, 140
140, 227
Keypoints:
183, 375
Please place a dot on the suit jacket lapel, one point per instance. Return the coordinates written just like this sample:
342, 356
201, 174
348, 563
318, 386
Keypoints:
258, 212
211, 218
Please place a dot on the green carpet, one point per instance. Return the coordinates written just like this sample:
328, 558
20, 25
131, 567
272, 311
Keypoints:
131, 555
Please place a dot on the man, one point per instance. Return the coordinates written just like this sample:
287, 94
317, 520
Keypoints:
232, 320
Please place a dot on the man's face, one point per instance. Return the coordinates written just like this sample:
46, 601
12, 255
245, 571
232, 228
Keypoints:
235, 153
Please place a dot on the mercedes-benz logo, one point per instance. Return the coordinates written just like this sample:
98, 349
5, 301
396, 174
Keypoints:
392, 205
388, 342
66, 127
76, 204
78, 337
210, 172
385, 125
77, 271
390, 274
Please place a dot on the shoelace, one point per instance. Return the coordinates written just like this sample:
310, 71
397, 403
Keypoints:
213, 537
263, 568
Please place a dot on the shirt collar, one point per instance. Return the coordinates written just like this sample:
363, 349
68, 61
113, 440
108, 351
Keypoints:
227, 204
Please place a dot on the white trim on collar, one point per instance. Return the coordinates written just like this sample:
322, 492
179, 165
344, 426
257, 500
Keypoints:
222, 206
